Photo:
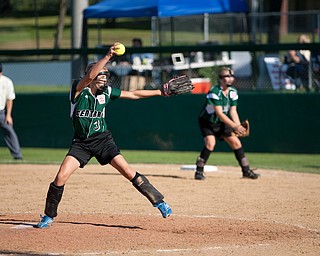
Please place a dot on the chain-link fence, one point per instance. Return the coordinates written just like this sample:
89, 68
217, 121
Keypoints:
242, 27
197, 46
256, 68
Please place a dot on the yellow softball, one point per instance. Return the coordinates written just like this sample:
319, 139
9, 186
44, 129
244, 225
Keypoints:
120, 49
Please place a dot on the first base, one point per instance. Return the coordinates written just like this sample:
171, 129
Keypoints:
207, 168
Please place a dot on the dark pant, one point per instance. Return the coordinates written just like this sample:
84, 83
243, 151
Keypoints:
10, 137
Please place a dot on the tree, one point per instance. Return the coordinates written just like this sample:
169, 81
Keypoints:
5, 7
61, 23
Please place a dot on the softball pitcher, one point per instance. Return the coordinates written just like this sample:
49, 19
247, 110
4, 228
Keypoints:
219, 119
89, 98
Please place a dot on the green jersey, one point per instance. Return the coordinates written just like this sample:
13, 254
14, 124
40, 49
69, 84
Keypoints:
215, 97
88, 111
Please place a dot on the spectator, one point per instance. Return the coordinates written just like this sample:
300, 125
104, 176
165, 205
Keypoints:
143, 74
140, 58
7, 95
297, 62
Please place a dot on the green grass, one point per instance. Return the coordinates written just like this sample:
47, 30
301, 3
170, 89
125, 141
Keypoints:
306, 163
12, 30
34, 89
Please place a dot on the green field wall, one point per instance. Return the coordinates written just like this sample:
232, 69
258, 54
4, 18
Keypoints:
284, 123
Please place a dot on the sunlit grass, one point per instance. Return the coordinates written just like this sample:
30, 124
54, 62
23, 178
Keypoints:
307, 163
33, 89
20, 33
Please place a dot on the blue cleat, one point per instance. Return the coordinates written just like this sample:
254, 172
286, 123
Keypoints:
45, 221
164, 208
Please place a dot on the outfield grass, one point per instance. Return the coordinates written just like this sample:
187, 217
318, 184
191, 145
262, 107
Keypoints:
290, 162
34, 89
13, 30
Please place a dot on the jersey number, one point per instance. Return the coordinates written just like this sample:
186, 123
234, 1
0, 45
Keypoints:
97, 125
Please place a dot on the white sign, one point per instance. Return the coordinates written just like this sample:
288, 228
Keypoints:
273, 66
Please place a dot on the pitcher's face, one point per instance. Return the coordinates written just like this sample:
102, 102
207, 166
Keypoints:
101, 80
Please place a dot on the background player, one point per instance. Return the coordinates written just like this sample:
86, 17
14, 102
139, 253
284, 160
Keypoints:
219, 119
89, 98
7, 96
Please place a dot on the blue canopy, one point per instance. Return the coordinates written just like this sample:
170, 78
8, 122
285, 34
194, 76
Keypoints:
171, 8
122, 8
161, 8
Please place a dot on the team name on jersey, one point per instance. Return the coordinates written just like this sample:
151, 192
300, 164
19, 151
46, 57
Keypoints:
88, 113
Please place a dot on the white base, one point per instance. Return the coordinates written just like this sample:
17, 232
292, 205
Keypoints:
207, 168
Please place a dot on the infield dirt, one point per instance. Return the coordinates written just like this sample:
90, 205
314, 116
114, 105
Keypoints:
101, 213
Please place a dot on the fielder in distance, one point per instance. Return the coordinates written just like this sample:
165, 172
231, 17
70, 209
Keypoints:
219, 121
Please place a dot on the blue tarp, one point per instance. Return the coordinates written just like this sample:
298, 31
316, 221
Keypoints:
162, 8
122, 8
172, 8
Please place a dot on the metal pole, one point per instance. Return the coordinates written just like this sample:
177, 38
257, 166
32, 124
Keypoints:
154, 31
318, 27
172, 30
254, 7
206, 27
99, 33
77, 7
310, 75
36, 23
76, 19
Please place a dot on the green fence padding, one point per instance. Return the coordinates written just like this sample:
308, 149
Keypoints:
286, 123
42, 120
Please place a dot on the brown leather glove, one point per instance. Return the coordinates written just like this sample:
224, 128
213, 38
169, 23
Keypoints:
245, 124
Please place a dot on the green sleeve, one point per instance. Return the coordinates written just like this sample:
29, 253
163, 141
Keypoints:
234, 103
115, 93
213, 97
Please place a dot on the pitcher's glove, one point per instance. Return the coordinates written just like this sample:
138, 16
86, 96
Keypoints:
245, 124
177, 85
